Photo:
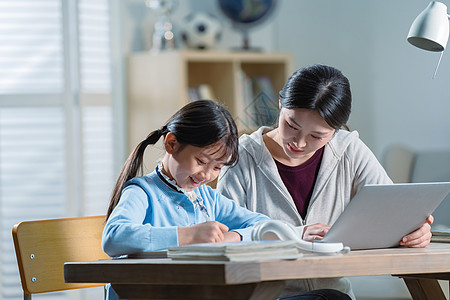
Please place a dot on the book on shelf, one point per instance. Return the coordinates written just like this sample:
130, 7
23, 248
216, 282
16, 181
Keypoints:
202, 91
193, 94
206, 92
260, 102
236, 251
441, 235
248, 111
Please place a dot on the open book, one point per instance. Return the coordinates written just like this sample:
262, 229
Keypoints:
236, 251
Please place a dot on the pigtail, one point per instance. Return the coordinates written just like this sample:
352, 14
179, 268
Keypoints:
133, 166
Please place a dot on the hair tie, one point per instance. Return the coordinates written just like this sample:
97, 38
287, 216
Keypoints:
163, 130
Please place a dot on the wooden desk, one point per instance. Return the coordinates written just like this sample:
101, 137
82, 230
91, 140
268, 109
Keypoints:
167, 279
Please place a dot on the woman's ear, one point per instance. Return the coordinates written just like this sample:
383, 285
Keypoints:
171, 143
279, 103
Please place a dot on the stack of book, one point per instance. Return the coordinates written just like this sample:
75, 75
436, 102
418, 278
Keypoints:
236, 251
441, 236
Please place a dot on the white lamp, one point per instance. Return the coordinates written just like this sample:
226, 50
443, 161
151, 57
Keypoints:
430, 29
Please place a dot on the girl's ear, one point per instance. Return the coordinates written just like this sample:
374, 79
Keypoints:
171, 143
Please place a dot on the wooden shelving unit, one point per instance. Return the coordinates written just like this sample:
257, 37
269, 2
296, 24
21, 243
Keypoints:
158, 85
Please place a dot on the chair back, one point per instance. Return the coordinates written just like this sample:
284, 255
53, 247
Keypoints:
399, 162
43, 246
405, 165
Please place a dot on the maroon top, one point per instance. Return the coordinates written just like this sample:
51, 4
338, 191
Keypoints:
300, 180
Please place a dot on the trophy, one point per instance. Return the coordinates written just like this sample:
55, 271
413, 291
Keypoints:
163, 37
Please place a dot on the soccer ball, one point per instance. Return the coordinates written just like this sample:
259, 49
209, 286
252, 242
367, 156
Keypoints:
201, 31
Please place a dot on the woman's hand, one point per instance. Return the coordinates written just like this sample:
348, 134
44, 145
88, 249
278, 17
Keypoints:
419, 238
315, 232
207, 232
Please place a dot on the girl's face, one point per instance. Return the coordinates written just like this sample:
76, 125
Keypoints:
301, 132
192, 166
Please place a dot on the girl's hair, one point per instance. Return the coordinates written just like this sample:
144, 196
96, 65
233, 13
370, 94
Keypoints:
320, 88
200, 123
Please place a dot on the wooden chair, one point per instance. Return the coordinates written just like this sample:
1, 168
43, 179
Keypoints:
42, 247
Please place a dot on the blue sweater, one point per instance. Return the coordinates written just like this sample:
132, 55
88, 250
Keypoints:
149, 212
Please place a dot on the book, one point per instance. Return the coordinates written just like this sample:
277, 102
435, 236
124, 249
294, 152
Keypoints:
265, 101
149, 254
236, 251
247, 112
259, 102
203, 91
440, 236
193, 94
206, 92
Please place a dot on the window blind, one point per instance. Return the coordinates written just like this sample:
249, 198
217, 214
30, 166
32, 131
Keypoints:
94, 44
32, 177
30, 47
49, 122
98, 157
94, 41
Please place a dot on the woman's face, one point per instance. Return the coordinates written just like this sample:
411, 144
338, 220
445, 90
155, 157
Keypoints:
301, 132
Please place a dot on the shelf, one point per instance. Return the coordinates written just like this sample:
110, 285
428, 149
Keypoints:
159, 84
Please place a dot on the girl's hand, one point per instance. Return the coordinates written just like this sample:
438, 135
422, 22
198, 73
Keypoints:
419, 238
315, 232
232, 236
207, 232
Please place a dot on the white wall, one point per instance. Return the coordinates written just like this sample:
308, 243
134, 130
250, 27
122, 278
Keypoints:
336, 33
395, 99
413, 108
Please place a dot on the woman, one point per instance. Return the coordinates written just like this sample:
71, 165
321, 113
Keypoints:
307, 169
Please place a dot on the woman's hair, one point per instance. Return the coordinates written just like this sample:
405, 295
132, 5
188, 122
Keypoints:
200, 123
320, 88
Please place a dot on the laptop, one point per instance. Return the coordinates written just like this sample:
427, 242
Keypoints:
380, 215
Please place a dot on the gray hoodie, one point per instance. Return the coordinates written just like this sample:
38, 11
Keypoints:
347, 165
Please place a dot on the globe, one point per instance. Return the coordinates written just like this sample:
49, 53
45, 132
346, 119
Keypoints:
246, 14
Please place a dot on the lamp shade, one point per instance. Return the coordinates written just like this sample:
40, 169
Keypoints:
430, 29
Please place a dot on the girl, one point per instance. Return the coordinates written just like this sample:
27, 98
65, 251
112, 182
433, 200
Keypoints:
305, 170
173, 205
